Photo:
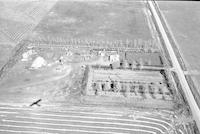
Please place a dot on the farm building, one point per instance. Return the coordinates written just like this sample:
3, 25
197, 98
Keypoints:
38, 62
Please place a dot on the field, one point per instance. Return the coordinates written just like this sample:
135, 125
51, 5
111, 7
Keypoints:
5, 51
17, 20
85, 119
104, 21
184, 22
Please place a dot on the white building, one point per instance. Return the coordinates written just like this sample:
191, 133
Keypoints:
114, 58
38, 62
26, 55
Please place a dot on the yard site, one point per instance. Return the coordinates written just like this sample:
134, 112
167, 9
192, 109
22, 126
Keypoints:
75, 67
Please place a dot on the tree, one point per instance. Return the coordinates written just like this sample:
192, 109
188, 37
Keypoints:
133, 65
118, 87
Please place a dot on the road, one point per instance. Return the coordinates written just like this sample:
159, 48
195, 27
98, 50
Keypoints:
77, 120
177, 67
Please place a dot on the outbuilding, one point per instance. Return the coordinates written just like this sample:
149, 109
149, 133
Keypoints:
38, 62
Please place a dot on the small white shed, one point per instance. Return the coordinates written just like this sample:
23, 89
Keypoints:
38, 62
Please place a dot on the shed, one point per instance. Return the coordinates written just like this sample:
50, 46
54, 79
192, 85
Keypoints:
38, 62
